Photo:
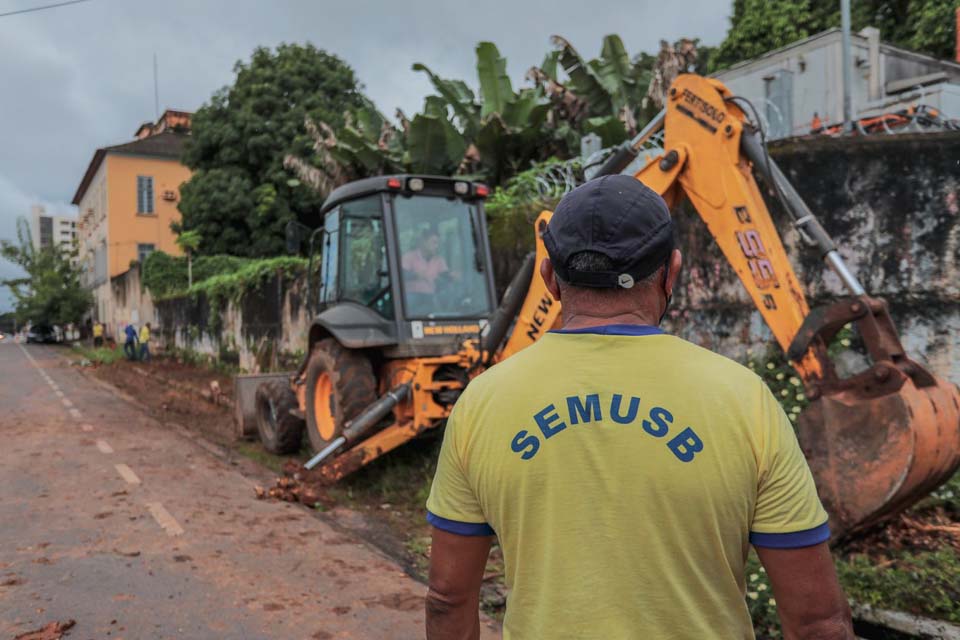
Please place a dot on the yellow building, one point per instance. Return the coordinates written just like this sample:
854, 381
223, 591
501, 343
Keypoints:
127, 199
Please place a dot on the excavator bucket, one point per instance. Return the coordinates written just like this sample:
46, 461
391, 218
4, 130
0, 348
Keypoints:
880, 440
873, 457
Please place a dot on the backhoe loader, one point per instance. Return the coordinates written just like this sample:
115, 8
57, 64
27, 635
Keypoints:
406, 315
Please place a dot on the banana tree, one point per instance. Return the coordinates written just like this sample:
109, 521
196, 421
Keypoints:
502, 129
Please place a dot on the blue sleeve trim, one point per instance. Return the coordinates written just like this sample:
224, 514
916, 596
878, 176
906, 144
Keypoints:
794, 540
460, 528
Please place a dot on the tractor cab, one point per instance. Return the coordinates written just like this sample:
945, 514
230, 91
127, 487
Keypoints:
404, 265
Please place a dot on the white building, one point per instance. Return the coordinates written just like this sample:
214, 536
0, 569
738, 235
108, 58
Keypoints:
802, 82
51, 231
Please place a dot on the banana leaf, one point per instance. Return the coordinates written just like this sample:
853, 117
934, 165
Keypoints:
434, 145
584, 80
459, 96
495, 88
614, 71
609, 128
528, 109
549, 66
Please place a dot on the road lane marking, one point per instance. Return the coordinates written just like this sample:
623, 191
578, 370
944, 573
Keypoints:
166, 521
59, 393
76, 414
87, 427
127, 473
66, 402
104, 446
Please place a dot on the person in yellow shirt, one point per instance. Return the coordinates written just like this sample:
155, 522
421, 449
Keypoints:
144, 340
625, 472
97, 334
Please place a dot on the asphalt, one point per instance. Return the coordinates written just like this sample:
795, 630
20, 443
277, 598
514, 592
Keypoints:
135, 531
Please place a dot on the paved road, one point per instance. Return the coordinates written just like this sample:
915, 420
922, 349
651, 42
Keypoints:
136, 532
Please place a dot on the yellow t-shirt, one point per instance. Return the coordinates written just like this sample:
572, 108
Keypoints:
144, 334
625, 473
97, 330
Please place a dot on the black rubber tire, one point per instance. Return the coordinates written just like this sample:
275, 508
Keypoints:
280, 431
353, 387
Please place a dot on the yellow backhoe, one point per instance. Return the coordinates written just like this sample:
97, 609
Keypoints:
406, 316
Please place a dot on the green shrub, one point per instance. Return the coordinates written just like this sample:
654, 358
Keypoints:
923, 583
166, 276
100, 355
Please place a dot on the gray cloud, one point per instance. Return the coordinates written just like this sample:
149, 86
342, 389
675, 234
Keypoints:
79, 77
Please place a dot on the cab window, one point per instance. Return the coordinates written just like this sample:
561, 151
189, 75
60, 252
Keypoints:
364, 276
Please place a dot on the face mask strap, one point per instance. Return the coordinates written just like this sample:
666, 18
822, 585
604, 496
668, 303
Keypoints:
668, 296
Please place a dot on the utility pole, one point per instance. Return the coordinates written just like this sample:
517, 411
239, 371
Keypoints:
156, 89
847, 73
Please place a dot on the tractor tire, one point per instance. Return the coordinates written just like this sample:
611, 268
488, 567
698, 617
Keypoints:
280, 431
340, 385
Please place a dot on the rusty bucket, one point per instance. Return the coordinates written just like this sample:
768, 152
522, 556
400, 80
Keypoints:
873, 457
879, 441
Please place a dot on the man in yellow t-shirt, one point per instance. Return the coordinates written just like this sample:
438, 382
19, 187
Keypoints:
97, 334
625, 472
144, 339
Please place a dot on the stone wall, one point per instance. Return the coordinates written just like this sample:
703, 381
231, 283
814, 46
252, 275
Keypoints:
265, 330
892, 205
123, 300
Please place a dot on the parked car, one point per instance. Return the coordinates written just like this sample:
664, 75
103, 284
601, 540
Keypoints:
41, 334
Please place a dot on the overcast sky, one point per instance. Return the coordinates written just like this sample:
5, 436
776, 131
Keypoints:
80, 77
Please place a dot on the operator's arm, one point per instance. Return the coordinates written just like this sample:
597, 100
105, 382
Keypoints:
461, 538
456, 573
790, 533
810, 601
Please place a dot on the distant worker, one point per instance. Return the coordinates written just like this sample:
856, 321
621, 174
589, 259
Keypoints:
423, 265
97, 334
145, 343
625, 471
130, 344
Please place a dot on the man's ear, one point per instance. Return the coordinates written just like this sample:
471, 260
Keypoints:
550, 278
676, 262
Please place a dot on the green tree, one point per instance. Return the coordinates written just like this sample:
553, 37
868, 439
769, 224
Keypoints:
239, 198
51, 292
189, 242
758, 26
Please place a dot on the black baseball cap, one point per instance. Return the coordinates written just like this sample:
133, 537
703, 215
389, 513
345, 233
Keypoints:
618, 216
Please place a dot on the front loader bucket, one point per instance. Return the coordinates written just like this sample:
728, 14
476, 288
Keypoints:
872, 457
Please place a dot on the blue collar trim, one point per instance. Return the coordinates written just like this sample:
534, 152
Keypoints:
615, 330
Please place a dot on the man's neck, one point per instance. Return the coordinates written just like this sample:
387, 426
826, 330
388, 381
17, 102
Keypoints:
584, 320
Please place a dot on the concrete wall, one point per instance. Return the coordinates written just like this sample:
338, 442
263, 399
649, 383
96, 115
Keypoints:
123, 300
265, 330
892, 205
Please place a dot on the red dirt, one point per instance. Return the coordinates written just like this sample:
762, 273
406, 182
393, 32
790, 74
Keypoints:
926, 530
51, 631
176, 392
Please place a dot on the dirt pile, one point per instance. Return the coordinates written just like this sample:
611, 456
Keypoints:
298, 485
926, 530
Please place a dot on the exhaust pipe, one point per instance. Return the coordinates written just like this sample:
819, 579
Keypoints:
358, 427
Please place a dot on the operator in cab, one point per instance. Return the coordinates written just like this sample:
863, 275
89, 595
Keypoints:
424, 264
625, 472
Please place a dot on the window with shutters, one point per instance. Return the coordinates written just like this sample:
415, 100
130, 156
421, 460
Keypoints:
145, 195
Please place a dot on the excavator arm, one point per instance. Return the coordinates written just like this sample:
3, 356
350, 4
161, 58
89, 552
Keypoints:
876, 441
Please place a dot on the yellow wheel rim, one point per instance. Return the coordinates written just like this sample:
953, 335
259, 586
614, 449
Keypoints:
323, 407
